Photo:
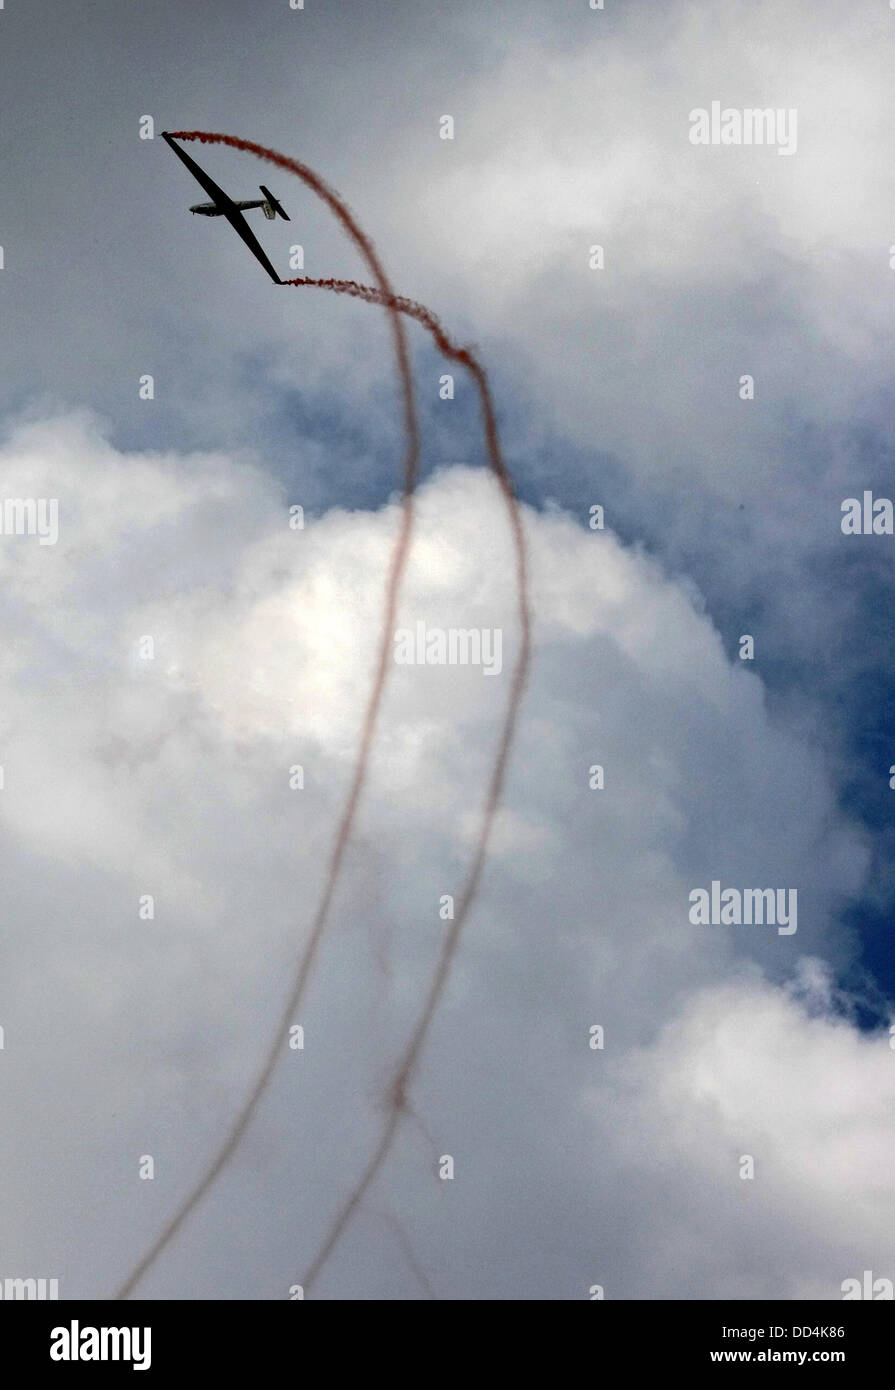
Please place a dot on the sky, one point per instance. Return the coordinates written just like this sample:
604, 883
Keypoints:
619, 1167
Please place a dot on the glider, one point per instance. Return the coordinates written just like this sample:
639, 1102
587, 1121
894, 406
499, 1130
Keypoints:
224, 206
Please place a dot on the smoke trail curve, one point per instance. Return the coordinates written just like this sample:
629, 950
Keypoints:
399, 561
410, 1057
395, 306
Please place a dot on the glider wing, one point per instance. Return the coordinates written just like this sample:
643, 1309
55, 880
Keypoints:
227, 206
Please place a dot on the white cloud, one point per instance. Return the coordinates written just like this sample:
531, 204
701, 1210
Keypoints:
746, 1070
170, 777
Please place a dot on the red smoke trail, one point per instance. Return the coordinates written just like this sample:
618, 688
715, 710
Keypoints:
410, 1057
399, 560
395, 306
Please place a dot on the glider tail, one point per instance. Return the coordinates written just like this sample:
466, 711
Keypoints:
272, 206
